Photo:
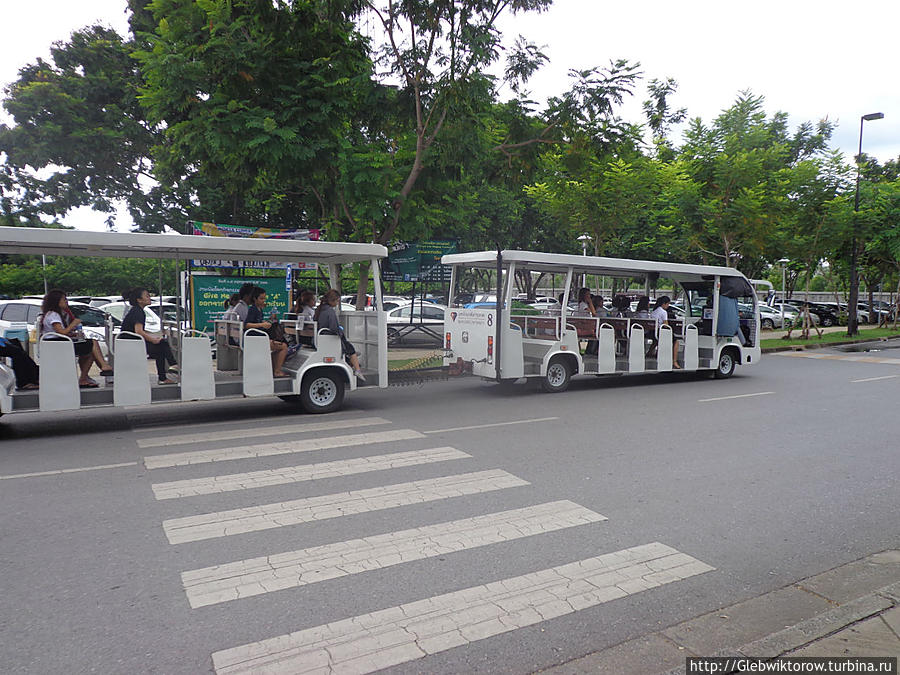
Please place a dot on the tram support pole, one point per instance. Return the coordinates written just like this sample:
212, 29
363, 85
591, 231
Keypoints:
498, 332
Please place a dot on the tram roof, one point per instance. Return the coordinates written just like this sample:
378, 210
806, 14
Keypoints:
611, 267
50, 241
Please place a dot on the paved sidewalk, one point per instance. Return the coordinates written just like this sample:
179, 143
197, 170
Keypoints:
852, 610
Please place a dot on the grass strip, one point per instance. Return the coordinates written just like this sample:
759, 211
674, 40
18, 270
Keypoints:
837, 338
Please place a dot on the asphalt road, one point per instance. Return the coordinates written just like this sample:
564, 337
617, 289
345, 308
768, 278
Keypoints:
796, 476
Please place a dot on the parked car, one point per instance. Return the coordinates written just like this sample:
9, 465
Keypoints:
881, 310
118, 310
370, 300
793, 313
544, 302
26, 311
426, 313
769, 318
83, 299
828, 316
100, 300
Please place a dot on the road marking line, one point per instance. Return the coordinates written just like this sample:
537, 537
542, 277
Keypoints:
283, 448
158, 423
493, 424
725, 398
304, 472
840, 357
229, 434
310, 509
873, 379
245, 578
396, 635
60, 471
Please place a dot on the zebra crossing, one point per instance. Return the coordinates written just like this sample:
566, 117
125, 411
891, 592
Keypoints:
407, 631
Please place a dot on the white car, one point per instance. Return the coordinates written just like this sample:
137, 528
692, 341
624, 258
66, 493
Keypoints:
544, 302
422, 313
100, 300
118, 310
24, 312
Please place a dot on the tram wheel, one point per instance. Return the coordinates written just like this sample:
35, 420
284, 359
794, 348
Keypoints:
322, 391
558, 376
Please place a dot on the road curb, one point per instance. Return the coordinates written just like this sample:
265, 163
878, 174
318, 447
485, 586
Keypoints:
800, 348
766, 626
818, 627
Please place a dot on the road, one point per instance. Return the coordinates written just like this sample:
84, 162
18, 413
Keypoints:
112, 563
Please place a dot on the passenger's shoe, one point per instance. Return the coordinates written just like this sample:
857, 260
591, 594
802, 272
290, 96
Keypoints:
360, 376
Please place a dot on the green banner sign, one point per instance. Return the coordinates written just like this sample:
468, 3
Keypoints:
418, 261
209, 293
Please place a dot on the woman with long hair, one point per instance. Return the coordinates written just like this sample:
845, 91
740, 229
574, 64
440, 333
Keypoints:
158, 347
643, 308
256, 319
56, 317
327, 318
586, 302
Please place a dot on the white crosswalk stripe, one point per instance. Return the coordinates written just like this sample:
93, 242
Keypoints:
234, 434
389, 637
283, 448
311, 509
408, 631
256, 576
304, 472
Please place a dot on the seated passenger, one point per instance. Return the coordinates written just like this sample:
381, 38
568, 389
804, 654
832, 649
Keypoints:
230, 304
621, 306
307, 310
598, 305
56, 317
661, 314
643, 308
585, 303
256, 319
24, 367
158, 347
327, 318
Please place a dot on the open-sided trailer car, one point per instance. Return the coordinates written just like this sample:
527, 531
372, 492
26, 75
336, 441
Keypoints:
319, 375
502, 343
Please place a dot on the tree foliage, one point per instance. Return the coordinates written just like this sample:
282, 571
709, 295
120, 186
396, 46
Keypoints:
252, 99
79, 137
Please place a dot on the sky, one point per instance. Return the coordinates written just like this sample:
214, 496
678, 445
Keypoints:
811, 59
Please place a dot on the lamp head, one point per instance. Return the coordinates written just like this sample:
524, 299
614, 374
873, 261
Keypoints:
873, 116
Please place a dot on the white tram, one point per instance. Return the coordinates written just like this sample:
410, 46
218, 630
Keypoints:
319, 375
716, 330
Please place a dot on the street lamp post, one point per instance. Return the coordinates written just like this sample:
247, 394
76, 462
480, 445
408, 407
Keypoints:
853, 302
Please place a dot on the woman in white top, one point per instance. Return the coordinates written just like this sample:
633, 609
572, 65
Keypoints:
56, 317
585, 302
662, 318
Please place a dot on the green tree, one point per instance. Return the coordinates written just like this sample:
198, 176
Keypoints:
80, 138
252, 98
743, 163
